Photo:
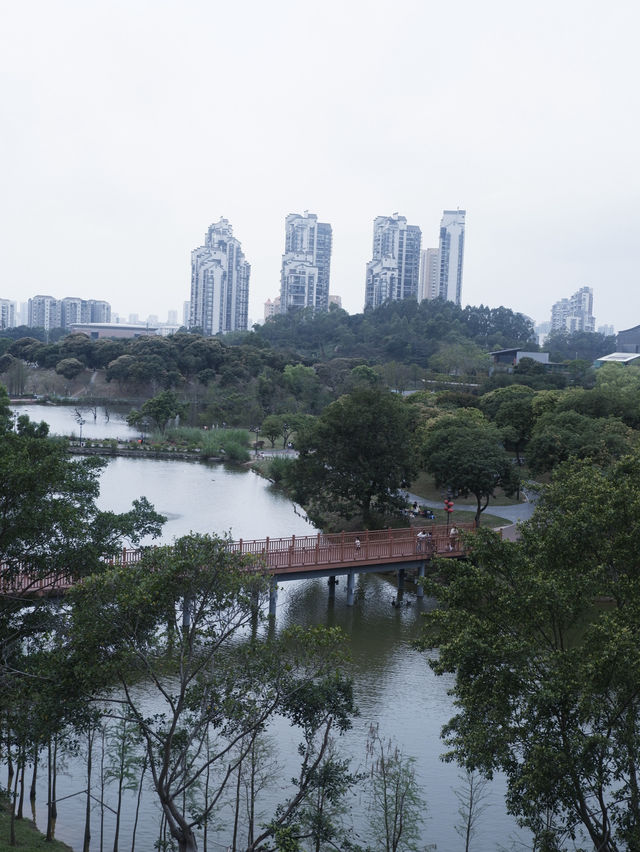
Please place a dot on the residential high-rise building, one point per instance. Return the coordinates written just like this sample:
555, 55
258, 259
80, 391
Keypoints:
219, 283
44, 312
393, 271
451, 251
575, 313
7, 313
429, 284
98, 311
271, 308
74, 310
306, 263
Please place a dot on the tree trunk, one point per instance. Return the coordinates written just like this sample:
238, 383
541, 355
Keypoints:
49, 793
87, 816
12, 832
32, 791
138, 800
23, 768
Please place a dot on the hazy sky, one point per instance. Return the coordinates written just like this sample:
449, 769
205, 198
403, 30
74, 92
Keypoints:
129, 127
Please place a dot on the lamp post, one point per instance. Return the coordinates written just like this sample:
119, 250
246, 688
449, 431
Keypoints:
256, 429
448, 507
80, 421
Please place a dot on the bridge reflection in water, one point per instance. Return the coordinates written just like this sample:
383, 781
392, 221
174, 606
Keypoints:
300, 557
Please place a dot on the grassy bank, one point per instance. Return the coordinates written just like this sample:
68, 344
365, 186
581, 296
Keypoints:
273, 468
28, 838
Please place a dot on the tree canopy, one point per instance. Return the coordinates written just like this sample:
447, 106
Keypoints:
357, 456
465, 455
542, 637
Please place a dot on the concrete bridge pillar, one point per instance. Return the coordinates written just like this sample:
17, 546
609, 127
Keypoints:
420, 589
350, 588
332, 582
273, 597
401, 579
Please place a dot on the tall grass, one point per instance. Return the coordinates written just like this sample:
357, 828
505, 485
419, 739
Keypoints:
233, 443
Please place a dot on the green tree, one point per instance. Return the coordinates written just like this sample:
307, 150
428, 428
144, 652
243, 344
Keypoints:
542, 637
158, 411
218, 692
511, 409
459, 359
560, 435
69, 368
396, 805
464, 453
271, 428
357, 457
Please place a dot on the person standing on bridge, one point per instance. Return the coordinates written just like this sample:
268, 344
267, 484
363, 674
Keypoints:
420, 539
356, 545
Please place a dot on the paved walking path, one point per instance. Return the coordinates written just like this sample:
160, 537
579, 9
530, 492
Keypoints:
514, 513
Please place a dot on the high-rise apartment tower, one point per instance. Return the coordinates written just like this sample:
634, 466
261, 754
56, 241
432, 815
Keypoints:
575, 313
429, 286
306, 263
219, 283
393, 271
451, 255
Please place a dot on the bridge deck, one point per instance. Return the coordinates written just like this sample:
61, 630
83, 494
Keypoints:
321, 553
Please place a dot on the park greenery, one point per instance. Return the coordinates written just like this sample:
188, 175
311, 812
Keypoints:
542, 637
539, 634
182, 628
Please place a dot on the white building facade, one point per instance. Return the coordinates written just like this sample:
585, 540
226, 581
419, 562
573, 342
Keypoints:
394, 270
429, 285
451, 250
219, 283
574, 313
7, 313
306, 263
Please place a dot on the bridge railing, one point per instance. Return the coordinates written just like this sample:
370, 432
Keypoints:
372, 546
292, 553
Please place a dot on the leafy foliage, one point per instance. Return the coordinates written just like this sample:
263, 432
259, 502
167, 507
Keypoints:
546, 670
357, 456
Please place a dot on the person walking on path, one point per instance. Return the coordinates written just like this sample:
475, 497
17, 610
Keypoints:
420, 540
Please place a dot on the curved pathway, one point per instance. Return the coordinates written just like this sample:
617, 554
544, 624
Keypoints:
514, 513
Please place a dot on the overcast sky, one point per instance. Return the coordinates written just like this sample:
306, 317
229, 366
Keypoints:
129, 127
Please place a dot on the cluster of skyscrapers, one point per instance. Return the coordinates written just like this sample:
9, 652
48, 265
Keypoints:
48, 313
399, 269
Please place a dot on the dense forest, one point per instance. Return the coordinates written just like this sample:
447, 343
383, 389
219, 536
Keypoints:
299, 362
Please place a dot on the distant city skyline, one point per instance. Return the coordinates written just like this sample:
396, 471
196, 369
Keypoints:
113, 169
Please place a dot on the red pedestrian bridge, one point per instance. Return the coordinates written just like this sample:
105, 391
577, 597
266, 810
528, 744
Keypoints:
296, 557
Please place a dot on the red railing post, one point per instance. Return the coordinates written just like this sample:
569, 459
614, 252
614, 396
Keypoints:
291, 546
317, 547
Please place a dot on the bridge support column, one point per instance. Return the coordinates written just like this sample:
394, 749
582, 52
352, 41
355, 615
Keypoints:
420, 589
350, 588
273, 597
401, 578
332, 582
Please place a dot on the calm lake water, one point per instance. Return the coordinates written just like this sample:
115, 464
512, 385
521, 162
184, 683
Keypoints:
394, 686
